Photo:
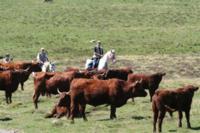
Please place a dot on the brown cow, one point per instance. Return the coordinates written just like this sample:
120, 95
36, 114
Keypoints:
49, 83
62, 108
40, 84
150, 82
34, 67
113, 92
9, 81
172, 100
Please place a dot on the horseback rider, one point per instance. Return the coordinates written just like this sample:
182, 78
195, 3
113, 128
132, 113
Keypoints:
42, 56
98, 53
7, 58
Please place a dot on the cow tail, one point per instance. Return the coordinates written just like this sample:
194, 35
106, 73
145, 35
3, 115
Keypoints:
169, 108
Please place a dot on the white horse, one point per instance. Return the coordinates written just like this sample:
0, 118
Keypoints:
103, 62
48, 67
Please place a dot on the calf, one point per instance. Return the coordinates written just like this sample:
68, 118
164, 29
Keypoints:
172, 100
113, 92
62, 108
150, 82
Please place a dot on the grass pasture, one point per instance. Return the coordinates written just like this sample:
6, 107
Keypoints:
149, 35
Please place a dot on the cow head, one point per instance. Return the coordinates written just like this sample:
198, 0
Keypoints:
137, 89
64, 99
155, 79
192, 88
35, 66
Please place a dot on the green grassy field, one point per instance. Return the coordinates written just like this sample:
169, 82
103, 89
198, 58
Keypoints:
149, 35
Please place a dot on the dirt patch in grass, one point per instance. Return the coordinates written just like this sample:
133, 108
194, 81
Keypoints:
175, 66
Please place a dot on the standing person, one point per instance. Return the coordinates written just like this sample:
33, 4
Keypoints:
98, 53
7, 58
42, 56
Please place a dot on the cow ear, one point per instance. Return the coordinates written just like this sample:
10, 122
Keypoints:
163, 73
196, 88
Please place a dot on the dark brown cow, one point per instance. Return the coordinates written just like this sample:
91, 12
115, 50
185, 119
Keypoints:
121, 73
33, 66
172, 100
49, 83
9, 81
113, 92
150, 82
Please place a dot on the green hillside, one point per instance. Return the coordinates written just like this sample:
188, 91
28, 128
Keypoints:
65, 27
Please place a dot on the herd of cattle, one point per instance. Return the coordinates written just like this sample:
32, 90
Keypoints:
111, 87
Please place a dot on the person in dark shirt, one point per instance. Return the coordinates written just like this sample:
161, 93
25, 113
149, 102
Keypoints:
98, 53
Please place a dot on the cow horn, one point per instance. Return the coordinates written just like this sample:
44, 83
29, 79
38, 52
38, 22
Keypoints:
59, 92
67, 93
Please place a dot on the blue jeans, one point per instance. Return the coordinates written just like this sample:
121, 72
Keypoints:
95, 62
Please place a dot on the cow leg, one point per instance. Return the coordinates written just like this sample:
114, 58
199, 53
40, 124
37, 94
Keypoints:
180, 115
155, 117
35, 99
8, 97
22, 86
82, 110
72, 110
133, 99
151, 92
187, 115
68, 113
112, 112
160, 120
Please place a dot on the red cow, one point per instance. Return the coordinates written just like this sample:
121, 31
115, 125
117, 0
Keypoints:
33, 66
172, 100
113, 92
150, 82
48, 84
21, 65
40, 84
62, 108
9, 81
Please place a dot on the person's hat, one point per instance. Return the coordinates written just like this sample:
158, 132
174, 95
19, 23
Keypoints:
42, 49
92, 41
112, 51
7, 54
98, 41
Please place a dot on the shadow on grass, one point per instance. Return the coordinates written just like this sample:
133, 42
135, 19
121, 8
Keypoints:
106, 119
195, 128
5, 119
140, 117
172, 130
